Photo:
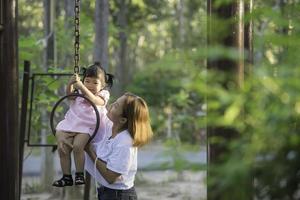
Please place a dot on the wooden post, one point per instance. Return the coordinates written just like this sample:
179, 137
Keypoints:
87, 186
25, 90
10, 142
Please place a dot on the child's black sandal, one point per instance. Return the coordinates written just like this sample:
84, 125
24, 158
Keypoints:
79, 178
66, 180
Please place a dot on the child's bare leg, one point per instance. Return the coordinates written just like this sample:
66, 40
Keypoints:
64, 143
80, 140
64, 150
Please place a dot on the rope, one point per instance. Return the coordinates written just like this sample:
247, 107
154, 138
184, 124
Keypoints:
76, 42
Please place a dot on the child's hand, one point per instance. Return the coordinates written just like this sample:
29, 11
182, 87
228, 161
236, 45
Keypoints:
74, 78
78, 84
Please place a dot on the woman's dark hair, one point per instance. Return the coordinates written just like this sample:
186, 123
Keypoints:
95, 71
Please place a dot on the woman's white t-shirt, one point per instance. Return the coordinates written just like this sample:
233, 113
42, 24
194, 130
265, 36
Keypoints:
120, 156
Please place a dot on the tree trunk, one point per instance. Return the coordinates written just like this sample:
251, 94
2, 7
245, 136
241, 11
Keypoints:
69, 27
121, 69
9, 135
181, 23
249, 38
49, 59
49, 16
101, 29
234, 73
69, 10
238, 36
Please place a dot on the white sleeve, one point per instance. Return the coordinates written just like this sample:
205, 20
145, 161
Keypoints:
120, 159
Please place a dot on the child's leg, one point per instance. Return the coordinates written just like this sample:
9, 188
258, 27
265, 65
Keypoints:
64, 150
80, 140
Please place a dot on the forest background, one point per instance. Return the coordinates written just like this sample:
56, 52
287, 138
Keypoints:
159, 50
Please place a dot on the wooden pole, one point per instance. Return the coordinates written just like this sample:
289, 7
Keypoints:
23, 119
87, 187
10, 142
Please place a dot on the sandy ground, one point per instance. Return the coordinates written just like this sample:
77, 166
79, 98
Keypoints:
162, 185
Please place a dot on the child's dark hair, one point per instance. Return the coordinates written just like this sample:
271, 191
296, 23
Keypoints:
95, 71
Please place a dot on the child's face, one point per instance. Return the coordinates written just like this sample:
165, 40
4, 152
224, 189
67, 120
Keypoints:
115, 110
93, 84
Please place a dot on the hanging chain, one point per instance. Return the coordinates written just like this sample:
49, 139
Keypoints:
76, 43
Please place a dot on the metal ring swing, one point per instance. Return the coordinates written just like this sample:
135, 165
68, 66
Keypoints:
76, 71
76, 95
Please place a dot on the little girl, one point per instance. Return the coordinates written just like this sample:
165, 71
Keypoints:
74, 131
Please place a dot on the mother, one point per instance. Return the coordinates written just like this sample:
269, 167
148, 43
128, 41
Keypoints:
113, 161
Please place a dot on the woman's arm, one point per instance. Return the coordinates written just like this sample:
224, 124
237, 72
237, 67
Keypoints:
108, 175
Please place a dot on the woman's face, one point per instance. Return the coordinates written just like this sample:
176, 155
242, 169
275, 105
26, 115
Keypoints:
115, 110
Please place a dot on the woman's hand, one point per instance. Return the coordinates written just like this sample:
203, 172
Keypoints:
62, 144
89, 149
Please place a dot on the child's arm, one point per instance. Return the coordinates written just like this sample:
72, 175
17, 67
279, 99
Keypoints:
97, 100
70, 87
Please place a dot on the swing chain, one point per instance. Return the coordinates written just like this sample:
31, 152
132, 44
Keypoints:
76, 43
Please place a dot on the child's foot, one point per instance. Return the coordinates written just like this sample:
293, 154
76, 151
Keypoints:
79, 178
66, 180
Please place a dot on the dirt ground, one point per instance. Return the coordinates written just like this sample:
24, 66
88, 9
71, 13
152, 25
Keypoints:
150, 185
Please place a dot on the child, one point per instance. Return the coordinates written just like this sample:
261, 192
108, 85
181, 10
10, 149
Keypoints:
113, 161
74, 131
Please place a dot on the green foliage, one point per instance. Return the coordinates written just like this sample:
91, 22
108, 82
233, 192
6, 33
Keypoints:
47, 91
264, 113
172, 77
168, 87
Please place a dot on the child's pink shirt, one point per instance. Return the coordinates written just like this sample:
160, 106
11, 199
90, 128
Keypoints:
81, 117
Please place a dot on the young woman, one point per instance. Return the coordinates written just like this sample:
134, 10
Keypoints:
113, 161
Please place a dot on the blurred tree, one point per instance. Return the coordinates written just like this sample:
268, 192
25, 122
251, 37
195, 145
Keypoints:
227, 16
122, 64
10, 152
47, 165
101, 32
67, 54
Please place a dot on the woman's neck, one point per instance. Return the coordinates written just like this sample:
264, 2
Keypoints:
116, 129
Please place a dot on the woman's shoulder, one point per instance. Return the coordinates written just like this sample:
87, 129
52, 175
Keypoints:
124, 139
